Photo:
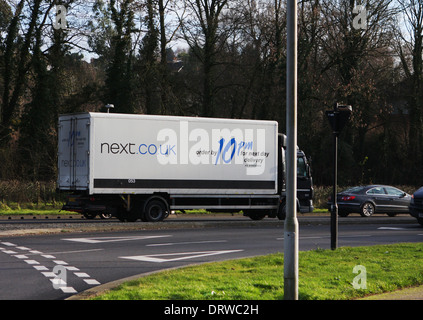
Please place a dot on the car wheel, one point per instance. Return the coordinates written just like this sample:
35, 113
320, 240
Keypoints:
342, 213
367, 209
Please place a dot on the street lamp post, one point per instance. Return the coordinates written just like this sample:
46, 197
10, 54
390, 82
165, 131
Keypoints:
291, 222
109, 106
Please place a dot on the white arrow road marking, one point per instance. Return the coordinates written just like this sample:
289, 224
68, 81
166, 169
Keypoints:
186, 256
113, 239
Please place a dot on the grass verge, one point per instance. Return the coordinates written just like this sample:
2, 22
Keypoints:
323, 275
15, 208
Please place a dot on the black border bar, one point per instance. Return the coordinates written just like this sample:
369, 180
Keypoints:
182, 184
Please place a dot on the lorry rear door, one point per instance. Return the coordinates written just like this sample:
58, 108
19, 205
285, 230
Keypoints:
73, 153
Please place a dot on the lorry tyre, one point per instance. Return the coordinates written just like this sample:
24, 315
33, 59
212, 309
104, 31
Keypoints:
255, 215
89, 215
282, 211
155, 211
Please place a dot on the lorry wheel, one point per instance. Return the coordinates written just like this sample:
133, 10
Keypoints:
282, 212
256, 215
89, 215
155, 210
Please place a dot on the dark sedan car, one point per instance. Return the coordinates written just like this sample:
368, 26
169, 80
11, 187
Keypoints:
416, 205
371, 199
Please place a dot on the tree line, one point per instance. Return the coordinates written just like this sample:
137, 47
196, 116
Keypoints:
217, 58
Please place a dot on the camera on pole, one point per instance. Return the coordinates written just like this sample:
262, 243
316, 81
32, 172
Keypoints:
338, 118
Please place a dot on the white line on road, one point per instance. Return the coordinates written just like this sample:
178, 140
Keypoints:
74, 251
186, 256
9, 244
113, 239
183, 243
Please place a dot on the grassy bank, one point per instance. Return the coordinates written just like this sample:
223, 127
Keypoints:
323, 275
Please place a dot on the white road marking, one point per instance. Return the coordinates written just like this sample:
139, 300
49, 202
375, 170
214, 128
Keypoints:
9, 251
8, 244
390, 228
40, 268
23, 248
49, 274
57, 282
183, 243
91, 281
71, 268
186, 256
75, 251
113, 239
21, 256
81, 274
68, 290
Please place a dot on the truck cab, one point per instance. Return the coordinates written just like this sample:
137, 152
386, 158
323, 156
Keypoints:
305, 190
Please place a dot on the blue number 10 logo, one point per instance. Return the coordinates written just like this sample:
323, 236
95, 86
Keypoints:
228, 146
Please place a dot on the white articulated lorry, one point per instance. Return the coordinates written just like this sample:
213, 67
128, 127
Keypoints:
144, 166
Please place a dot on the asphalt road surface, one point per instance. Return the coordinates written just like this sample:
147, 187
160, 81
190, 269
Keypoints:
58, 266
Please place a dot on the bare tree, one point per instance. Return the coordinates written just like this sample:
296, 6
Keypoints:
203, 32
410, 51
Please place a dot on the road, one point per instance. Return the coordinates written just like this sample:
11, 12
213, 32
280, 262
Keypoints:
57, 266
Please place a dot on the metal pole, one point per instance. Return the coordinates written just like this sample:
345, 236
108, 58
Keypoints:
334, 211
291, 222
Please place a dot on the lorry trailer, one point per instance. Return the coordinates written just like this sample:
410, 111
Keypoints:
145, 166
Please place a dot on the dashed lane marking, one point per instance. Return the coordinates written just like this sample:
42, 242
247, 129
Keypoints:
52, 276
